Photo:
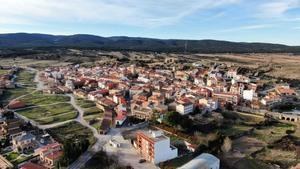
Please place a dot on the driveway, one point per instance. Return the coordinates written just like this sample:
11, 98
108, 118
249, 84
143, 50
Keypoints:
127, 154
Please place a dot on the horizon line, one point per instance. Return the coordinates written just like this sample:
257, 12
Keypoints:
155, 38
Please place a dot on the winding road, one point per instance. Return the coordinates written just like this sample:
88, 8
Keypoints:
101, 139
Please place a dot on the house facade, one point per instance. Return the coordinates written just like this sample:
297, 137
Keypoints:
155, 147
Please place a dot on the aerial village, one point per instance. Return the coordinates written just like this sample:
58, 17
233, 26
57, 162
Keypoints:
152, 108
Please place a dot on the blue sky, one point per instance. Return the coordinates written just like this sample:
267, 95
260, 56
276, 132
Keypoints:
275, 21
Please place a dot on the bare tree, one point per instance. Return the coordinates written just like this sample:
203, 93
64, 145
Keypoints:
227, 145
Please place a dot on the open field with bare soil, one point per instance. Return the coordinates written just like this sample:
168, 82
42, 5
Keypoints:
281, 65
32, 62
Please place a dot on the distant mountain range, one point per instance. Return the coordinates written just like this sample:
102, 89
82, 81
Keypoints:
25, 40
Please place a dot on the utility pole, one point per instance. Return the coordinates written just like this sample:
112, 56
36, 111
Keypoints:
185, 46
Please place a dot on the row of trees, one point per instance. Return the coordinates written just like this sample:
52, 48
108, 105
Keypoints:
73, 149
187, 125
102, 160
182, 123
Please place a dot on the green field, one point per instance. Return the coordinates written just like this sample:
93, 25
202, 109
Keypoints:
85, 103
16, 158
73, 131
235, 130
12, 156
272, 133
26, 78
38, 98
11, 94
94, 120
21, 159
93, 113
36, 63
50, 114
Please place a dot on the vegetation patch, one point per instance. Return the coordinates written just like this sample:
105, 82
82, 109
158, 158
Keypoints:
104, 160
11, 94
50, 114
12, 156
73, 131
235, 130
38, 98
285, 159
26, 78
271, 133
83, 103
248, 163
93, 111
247, 145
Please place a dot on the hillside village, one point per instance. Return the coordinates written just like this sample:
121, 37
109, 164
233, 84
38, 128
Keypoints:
166, 116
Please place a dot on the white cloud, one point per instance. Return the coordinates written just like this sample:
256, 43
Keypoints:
277, 8
248, 27
129, 12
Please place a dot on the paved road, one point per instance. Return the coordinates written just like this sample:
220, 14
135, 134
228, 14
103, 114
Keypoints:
101, 139
47, 126
36, 79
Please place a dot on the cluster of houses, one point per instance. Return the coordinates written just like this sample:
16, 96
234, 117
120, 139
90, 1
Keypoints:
6, 79
45, 151
145, 93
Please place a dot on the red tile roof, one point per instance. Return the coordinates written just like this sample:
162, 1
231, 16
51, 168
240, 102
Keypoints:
121, 115
31, 165
55, 155
51, 146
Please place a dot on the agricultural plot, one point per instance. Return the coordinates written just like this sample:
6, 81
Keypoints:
93, 116
85, 103
38, 98
50, 114
11, 94
25, 78
73, 131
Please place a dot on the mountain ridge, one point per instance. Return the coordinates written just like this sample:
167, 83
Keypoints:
36, 40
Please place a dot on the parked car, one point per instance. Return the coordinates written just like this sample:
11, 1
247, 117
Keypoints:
142, 160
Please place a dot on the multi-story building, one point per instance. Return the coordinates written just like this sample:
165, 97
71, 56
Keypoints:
155, 147
141, 112
50, 154
271, 99
226, 97
184, 107
10, 127
24, 142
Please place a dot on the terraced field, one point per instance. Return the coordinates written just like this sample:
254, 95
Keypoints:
50, 114
72, 130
